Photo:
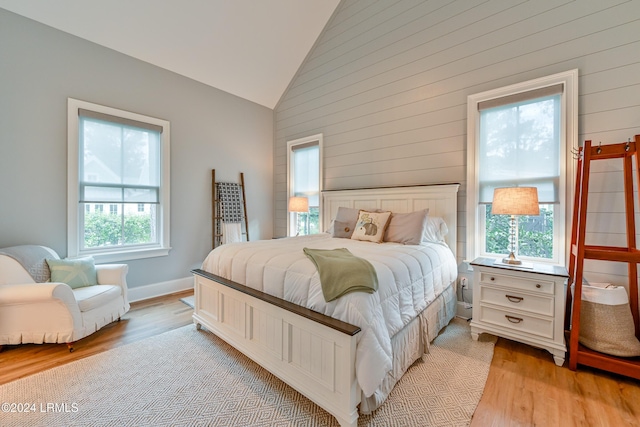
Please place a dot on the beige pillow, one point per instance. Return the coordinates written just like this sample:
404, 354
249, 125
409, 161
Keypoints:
407, 228
371, 226
345, 222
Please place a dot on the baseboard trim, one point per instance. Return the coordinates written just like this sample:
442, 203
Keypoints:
153, 290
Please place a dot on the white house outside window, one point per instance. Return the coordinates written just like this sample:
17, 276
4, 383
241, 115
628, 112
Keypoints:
521, 136
304, 158
120, 159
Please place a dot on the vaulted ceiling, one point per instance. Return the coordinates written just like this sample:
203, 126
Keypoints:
250, 48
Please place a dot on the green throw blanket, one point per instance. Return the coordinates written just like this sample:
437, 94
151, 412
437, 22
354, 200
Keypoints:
342, 272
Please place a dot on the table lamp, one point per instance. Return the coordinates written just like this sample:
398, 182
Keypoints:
515, 201
298, 205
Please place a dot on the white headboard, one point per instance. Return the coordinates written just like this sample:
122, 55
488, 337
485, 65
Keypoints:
441, 200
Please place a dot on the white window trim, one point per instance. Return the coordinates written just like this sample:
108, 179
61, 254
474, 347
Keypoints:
73, 207
569, 133
290, 144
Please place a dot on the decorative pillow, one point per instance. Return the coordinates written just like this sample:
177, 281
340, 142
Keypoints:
77, 273
407, 228
345, 222
371, 226
435, 230
342, 229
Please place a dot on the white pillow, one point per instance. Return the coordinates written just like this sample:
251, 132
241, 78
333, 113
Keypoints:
435, 230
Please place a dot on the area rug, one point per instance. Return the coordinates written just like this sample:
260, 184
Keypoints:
190, 301
187, 377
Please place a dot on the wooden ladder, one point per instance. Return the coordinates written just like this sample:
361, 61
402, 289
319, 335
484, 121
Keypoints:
216, 216
579, 354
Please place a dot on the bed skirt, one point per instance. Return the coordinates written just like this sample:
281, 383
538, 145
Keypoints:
411, 343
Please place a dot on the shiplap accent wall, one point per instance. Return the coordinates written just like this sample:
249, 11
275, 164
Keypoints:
387, 85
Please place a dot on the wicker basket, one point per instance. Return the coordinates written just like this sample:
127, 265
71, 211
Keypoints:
606, 323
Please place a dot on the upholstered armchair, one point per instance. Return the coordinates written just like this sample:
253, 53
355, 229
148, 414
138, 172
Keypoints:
34, 309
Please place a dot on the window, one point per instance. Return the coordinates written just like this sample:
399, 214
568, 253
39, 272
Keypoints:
518, 136
120, 159
304, 160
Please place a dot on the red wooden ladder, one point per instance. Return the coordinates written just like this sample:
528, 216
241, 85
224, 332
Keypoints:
579, 354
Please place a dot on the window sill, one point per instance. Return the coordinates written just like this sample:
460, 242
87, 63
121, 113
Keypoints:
544, 261
125, 255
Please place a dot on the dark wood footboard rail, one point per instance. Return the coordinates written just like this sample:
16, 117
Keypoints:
338, 325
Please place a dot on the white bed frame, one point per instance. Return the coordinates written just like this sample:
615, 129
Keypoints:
313, 353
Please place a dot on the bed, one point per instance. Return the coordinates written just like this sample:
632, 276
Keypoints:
263, 298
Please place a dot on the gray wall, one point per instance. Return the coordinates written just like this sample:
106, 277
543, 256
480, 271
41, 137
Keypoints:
387, 85
41, 67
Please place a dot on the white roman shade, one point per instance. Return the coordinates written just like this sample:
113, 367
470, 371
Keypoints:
119, 159
306, 174
520, 143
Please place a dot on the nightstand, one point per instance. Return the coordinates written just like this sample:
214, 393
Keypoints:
521, 304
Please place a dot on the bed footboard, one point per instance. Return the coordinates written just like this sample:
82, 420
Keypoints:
311, 352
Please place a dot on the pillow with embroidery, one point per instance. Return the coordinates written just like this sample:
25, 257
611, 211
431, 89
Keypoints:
371, 226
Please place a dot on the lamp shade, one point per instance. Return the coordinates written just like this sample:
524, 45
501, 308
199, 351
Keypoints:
515, 201
298, 204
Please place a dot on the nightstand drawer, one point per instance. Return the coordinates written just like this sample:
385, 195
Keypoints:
513, 282
529, 325
522, 304
539, 304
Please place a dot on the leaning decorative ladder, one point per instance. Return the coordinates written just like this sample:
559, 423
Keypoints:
217, 208
580, 251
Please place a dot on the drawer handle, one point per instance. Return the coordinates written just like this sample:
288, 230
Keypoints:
513, 319
514, 299
538, 285
493, 279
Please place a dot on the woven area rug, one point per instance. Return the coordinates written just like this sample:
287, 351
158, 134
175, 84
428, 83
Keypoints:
192, 378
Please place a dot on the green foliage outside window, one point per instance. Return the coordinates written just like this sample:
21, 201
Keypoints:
535, 233
309, 223
102, 229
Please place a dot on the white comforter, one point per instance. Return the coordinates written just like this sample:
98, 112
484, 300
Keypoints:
410, 277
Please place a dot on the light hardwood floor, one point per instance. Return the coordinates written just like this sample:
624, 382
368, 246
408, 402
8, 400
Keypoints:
145, 319
524, 388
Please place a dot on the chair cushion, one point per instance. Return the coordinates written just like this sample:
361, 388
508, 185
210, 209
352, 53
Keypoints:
90, 297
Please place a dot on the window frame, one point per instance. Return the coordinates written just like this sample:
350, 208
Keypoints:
568, 136
290, 181
74, 207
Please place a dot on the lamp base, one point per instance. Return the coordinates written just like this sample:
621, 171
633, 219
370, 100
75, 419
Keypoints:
511, 260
